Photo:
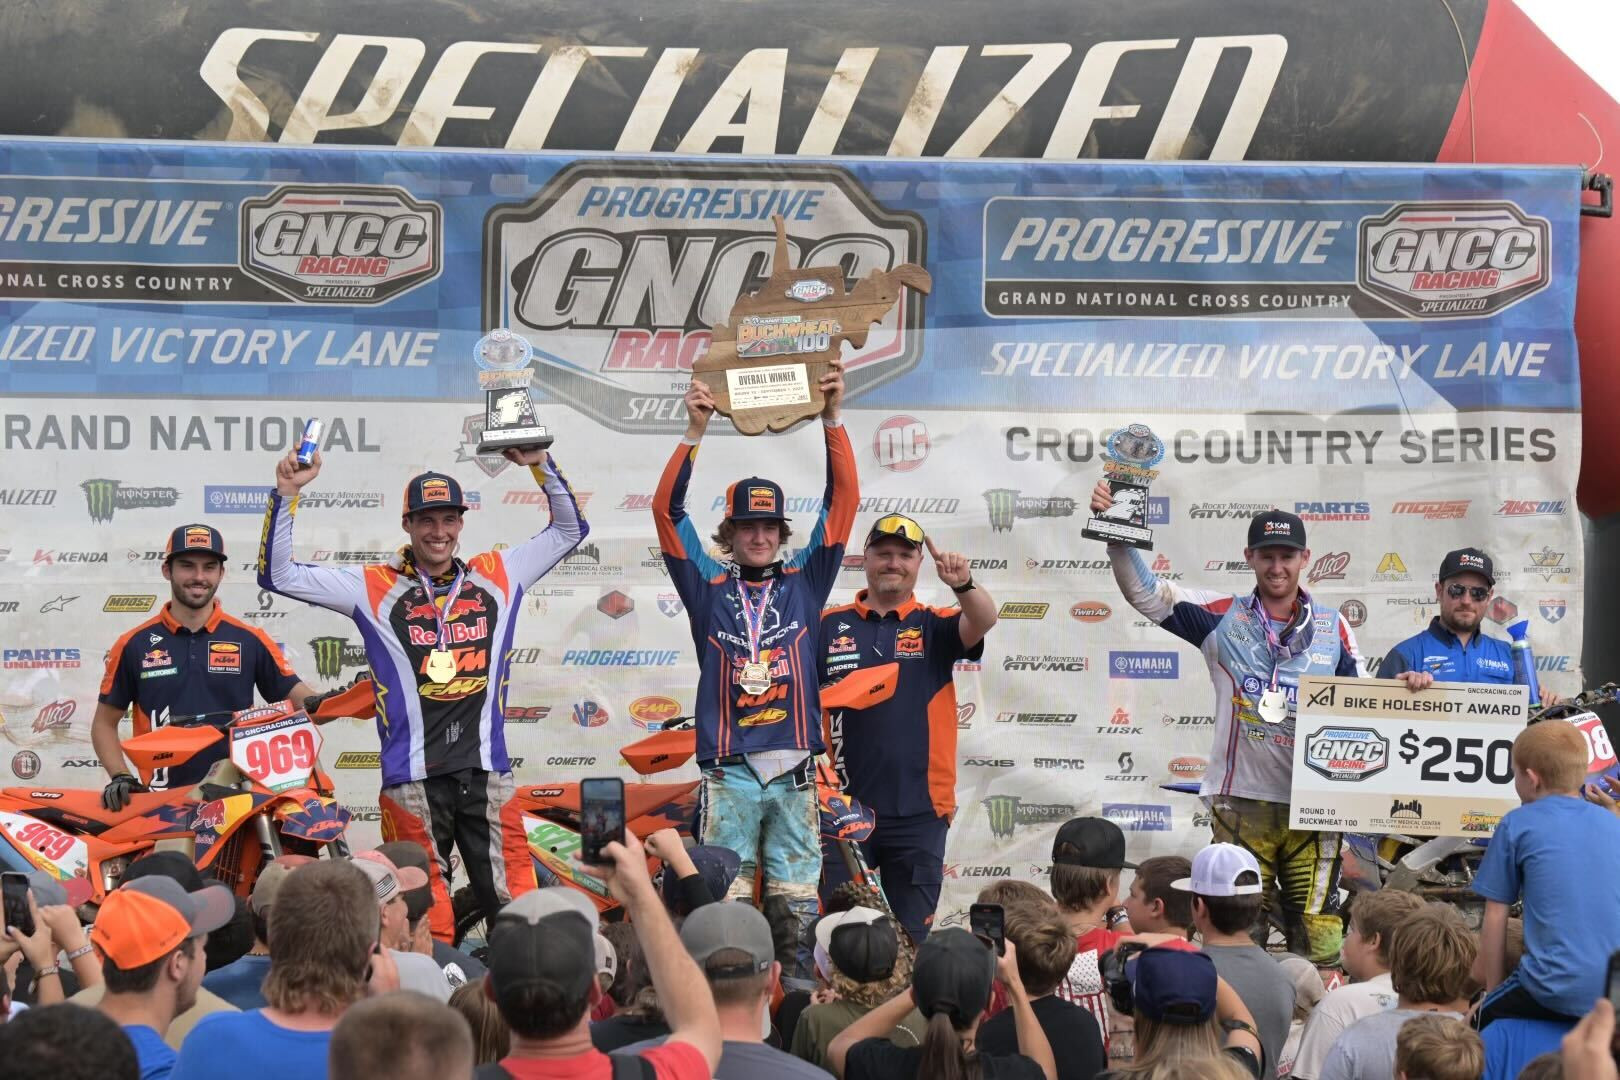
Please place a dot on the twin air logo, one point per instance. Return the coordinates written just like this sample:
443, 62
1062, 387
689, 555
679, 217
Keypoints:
225, 657
341, 245
1006, 812
621, 268
1453, 260
104, 497
1343, 753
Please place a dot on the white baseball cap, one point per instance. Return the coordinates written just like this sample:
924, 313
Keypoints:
1215, 871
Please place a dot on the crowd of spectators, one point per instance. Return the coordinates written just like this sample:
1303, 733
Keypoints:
329, 970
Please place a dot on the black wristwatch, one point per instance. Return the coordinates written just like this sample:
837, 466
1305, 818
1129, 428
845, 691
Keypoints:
965, 587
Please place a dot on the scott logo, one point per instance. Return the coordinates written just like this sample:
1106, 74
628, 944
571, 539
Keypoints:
623, 267
1453, 260
337, 244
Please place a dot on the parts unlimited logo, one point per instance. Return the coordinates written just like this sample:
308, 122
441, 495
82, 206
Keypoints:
104, 497
617, 271
318, 244
1463, 260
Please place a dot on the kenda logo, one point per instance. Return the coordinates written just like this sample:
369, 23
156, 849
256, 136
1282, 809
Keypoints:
1143, 665
621, 658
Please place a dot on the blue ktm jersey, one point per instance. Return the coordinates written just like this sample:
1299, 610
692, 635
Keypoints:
1483, 660
166, 671
898, 756
787, 714
429, 728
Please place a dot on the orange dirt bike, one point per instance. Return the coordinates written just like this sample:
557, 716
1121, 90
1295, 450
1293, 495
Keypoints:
540, 826
269, 795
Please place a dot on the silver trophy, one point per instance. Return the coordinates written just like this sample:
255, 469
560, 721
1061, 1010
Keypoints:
1128, 463
510, 418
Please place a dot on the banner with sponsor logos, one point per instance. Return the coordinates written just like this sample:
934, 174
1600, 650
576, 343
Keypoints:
1387, 351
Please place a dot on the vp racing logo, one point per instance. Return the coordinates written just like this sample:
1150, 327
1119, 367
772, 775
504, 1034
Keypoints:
617, 271
1453, 260
341, 245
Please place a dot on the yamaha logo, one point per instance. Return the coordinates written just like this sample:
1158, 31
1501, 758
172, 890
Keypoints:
321, 244
1453, 260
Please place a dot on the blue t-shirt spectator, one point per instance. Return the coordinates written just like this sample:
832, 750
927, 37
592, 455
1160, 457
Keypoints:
1513, 1042
151, 1052
246, 1046
1561, 854
240, 982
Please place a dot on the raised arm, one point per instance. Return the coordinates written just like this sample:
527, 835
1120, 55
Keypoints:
823, 553
1190, 614
689, 564
340, 589
534, 558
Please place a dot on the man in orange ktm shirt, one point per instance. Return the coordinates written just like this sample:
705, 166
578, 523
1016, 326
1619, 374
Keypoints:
189, 658
898, 757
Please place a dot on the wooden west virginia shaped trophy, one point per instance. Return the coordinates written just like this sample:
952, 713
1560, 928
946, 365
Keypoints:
764, 366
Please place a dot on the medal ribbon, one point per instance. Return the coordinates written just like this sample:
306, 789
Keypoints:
1280, 653
755, 617
442, 618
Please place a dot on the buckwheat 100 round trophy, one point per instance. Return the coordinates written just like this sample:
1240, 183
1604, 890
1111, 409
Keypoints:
1128, 463
510, 418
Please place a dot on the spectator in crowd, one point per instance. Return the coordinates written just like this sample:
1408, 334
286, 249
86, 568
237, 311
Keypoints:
403, 1036
1226, 890
57, 935
459, 966
1221, 1067
1435, 1047
65, 1042
641, 1017
242, 982
492, 1039
542, 964
951, 987
416, 971
1512, 1042
692, 877
1045, 949
1568, 932
607, 968
1011, 891
1154, 905
1087, 856
151, 935
1365, 955
1308, 991
1544, 1067
324, 957
731, 943
1588, 1052
232, 941
622, 936
1431, 955
858, 953
1183, 1015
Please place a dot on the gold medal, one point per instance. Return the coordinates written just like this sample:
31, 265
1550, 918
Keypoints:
755, 677
441, 666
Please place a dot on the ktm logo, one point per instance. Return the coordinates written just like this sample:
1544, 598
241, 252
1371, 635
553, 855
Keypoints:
435, 491
779, 692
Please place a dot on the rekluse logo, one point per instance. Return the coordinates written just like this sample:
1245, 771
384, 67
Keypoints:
319, 244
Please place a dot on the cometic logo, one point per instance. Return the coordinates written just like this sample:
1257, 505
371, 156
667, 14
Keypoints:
339, 244
1453, 260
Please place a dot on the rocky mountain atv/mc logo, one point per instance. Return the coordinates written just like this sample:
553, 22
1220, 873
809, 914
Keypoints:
618, 270
320, 244
1465, 260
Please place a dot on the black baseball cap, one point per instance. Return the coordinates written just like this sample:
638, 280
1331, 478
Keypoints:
169, 864
1277, 528
953, 974
1467, 561
433, 491
546, 937
861, 942
755, 498
198, 539
1090, 841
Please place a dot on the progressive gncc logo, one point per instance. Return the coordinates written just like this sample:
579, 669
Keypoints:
616, 271
320, 244
1453, 260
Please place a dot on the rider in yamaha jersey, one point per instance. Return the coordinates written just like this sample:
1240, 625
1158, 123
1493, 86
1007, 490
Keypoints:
437, 633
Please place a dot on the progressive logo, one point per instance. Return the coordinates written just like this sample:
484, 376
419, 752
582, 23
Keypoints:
337, 244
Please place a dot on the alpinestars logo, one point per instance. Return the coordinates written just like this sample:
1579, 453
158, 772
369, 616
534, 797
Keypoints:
1006, 505
320, 244
621, 268
333, 654
104, 497
1006, 812
1453, 260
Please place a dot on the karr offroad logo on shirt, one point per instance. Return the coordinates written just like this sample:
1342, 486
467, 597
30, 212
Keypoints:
618, 270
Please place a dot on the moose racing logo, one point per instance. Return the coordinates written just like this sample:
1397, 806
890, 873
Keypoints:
341, 245
1453, 260
617, 272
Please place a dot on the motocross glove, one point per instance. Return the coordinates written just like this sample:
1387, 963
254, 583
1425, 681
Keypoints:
115, 796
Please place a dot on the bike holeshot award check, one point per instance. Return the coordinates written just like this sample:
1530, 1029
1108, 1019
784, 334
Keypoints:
1372, 756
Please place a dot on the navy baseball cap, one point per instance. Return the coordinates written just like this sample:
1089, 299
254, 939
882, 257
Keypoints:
755, 498
717, 866
1172, 986
1467, 561
198, 539
952, 975
433, 491
1277, 528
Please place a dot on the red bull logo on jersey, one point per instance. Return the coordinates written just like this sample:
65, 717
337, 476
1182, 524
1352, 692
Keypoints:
455, 633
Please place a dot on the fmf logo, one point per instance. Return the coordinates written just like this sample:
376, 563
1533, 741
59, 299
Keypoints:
341, 245
624, 267
1453, 260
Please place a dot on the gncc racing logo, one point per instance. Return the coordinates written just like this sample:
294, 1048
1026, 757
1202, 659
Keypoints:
341, 245
618, 271
1453, 260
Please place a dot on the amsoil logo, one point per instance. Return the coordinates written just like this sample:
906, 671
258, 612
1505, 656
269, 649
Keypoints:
1453, 260
341, 245
623, 268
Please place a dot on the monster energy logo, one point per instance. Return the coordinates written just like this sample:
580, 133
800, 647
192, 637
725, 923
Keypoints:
333, 654
1007, 811
105, 496
1005, 505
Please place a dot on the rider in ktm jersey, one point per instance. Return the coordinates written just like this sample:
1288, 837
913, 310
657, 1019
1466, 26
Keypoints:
437, 634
